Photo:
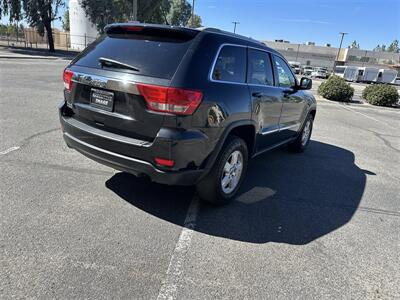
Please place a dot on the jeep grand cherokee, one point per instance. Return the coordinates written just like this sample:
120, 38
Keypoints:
183, 106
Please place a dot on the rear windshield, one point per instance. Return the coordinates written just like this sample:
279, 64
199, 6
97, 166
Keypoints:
153, 55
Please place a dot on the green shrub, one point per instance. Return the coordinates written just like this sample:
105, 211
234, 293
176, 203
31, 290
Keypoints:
367, 90
336, 88
381, 94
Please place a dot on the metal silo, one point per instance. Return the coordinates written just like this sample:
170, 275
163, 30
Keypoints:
82, 30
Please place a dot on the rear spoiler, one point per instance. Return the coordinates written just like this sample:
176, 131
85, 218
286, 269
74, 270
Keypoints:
150, 29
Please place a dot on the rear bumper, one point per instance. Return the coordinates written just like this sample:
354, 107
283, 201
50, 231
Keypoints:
112, 150
131, 165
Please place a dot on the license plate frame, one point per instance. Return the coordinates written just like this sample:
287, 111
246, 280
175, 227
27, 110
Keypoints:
102, 99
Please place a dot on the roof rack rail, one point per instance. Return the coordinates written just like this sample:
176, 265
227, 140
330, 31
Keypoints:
216, 30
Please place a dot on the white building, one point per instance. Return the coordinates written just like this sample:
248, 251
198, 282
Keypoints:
324, 56
82, 30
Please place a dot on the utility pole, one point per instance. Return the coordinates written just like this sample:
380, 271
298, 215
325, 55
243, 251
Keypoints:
340, 48
134, 10
234, 27
297, 54
192, 22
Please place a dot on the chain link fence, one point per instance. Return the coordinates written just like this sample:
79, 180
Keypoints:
30, 38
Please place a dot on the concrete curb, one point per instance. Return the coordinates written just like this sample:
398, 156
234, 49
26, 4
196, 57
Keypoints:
26, 53
34, 57
362, 105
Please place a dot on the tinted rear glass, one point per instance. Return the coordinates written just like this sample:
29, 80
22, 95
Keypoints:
153, 55
231, 64
259, 69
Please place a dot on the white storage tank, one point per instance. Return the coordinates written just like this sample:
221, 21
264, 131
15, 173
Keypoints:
82, 30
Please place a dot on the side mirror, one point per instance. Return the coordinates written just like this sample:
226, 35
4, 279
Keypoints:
305, 83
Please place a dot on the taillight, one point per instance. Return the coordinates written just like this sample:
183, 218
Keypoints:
67, 77
169, 99
164, 162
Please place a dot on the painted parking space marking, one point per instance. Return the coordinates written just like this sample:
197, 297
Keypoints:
9, 150
369, 117
169, 287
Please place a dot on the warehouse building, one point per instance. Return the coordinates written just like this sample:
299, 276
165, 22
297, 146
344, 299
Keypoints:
324, 56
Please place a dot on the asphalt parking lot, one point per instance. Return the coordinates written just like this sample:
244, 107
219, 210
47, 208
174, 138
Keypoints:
323, 224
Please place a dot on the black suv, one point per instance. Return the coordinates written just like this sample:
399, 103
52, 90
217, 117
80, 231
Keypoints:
183, 106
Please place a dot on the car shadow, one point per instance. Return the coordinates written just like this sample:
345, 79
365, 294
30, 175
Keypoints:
286, 198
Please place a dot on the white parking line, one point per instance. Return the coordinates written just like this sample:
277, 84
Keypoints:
369, 117
169, 288
9, 150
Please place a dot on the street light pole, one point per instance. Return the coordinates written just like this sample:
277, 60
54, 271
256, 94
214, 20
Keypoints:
234, 27
340, 48
297, 54
192, 23
134, 10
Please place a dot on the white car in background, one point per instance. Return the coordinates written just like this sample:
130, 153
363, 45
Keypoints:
307, 70
296, 66
319, 72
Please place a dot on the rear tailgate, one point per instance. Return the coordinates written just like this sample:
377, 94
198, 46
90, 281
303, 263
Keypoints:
106, 95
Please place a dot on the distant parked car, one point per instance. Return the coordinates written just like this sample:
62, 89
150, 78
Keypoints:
307, 71
319, 73
296, 67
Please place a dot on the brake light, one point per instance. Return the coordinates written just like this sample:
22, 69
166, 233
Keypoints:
164, 162
133, 28
170, 100
67, 77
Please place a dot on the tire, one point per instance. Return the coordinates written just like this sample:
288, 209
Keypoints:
300, 144
210, 188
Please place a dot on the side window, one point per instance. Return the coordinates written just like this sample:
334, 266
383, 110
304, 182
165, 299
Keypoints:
230, 64
285, 76
259, 68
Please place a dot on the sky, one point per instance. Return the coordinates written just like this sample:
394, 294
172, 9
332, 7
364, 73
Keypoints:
369, 22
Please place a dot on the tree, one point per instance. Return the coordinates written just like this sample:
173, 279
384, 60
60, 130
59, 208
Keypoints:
38, 13
383, 48
65, 21
12, 8
354, 45
377, 48
103, 12
179, 13
171, 12
196, 22
155, 11
394, 47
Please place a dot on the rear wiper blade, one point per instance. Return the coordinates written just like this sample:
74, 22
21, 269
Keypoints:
114, 63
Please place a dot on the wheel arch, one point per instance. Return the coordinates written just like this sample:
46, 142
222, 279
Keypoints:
245, 129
